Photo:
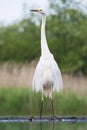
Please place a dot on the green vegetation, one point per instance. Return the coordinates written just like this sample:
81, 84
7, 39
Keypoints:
22, 101
66, 34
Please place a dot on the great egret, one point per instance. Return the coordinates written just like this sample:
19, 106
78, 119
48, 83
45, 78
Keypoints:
47, 77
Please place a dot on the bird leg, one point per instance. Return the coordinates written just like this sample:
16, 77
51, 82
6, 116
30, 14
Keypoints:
41, 106
53, 116
52, 105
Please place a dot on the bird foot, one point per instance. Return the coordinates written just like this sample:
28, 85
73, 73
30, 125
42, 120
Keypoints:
54, 117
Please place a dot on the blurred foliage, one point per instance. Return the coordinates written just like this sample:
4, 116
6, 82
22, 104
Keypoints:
22, 101
66, 34
17, 42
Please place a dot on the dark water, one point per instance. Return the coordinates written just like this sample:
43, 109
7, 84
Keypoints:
31, 123
43, 126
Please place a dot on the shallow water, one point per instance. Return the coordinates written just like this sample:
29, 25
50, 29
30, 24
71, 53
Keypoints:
32, 123
43, 126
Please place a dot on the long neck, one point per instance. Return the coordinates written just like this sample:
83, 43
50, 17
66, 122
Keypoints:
44, 47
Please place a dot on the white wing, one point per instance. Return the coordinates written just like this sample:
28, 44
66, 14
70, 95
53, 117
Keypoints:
47, 70
36, 84
58, 83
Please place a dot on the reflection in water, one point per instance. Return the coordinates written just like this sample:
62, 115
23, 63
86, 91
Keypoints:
14, 126
62, 126
52, 125
43, 126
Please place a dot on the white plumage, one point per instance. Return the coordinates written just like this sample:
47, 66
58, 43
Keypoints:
47, 77
47, 71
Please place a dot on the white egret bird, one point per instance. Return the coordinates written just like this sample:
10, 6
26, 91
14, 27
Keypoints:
47, 77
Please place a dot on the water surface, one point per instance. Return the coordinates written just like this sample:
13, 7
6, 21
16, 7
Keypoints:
35, 123
43, 126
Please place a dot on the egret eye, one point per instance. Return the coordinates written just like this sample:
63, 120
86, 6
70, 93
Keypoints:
40, 9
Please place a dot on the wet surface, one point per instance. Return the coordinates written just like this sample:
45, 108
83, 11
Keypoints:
43, 126
35, 123
46, 119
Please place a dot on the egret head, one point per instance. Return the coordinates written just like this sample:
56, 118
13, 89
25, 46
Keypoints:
38, 11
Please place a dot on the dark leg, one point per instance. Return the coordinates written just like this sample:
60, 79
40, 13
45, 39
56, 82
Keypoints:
52, 107
41, 107
53, 115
